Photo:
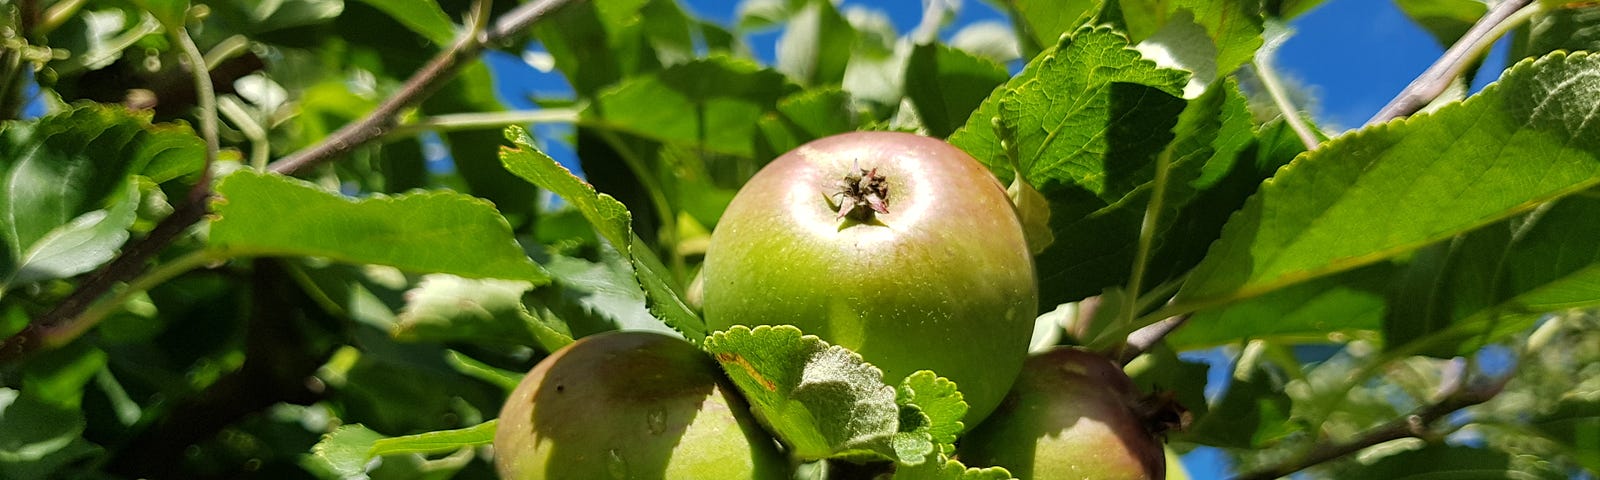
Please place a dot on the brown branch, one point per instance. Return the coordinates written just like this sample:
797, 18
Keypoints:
1437, 78
1414, 425
134, 259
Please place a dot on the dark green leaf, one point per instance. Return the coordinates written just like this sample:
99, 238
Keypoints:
1446, 20
822, 401
1396, 187
946, 85
1571, 29
1347, 303
440, 231
1253, 413
79, 245
1499, 278
34, 431
172, 13
421, 16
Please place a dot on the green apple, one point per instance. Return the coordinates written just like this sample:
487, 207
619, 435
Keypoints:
900, 247
624, 405
1071, 415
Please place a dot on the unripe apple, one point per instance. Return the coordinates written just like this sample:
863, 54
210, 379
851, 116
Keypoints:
900, 247
1071, 415
624, 405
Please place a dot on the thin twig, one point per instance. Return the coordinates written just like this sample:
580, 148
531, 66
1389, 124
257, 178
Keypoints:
1414, 425
1143, 339
133, 259
1437, 78
1280, 97
207, 103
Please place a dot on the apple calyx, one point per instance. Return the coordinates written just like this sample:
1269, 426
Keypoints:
862, 192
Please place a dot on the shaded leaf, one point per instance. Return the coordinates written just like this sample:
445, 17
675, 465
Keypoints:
1350, 302
1573, 425
821, 400
1445, 461
439, 231
421, 16
946, 85
58, 171
1398, 186
1446, 20
723, 98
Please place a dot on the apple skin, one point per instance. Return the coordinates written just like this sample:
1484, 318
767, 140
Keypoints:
625, 405
943, 281
1071, 415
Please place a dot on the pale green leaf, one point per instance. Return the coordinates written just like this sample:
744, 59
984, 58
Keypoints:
1047, 20
710, 103
422, 16
1573, 425
821, 400
816, 44
444, 308
81, 244
612, 220
436, 442
1396, 187
939, 399
438, 231
346, 451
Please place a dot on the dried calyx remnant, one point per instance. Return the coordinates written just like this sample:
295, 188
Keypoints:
862, 192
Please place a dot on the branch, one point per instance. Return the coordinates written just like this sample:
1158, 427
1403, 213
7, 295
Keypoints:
1142, 340
1414, 425
136, 256
1467, 49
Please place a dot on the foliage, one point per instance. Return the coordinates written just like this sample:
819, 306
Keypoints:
178, 301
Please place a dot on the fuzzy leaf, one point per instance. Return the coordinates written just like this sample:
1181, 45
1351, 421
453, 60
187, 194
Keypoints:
439, 231
1396, 187
821, 400
944, 468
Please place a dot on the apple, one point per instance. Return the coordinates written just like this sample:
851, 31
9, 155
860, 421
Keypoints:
900, 247
622, 405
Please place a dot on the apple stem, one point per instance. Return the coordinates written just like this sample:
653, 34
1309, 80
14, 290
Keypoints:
861, 193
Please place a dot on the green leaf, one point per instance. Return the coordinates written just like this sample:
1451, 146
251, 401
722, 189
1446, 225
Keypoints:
1347, 303
1446, 461
712, 103
612, 220
1500, 278
35, 431
1047, 20
1253, 413
945, 468
421, 16
821, 400
446, 308
346, 451
1061, 107
946, 85
939, 399
505, 379
816, 44
81, 244
1572, 425
1446, 20
1235, 29
66, 194
172, 13
440, 231
436, 442
1570, 29
1393, 188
